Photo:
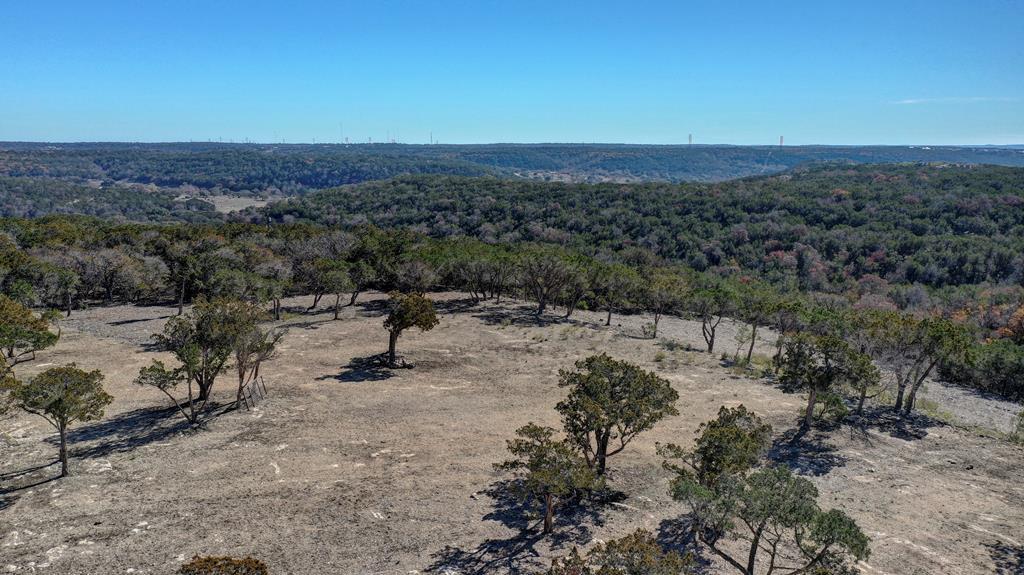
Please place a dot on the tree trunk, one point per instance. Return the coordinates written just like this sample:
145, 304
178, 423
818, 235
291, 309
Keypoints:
542, 304
67, 302
337, 304
900, 389
753, 338
911, 398
181, 298
241, 384
708, 331
812, 398
204, 390
601, 454
355, 294
277, 309
392, 341
316, 300
64, 470
860, 401
657, 319
549, 513
609, 320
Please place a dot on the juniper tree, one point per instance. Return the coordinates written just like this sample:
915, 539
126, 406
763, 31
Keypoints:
203, 340
253, 346
756, 304
914, 347
613, 285
610, 402
711, 302
730, 444
773, 517
362, 276
62, 396
335, 279
407, 311
577, 285
635, 554
22, 332
542, 274
664, 294
817, 364
547, 471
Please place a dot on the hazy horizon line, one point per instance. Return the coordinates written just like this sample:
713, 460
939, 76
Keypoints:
232, 142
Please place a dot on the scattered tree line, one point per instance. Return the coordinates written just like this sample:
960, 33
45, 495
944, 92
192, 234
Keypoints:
65, 263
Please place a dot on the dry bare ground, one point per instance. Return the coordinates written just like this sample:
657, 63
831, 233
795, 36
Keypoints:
351, 469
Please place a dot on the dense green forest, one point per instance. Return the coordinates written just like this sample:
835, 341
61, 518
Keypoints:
297, 168
234, 169
35, 197
821, 229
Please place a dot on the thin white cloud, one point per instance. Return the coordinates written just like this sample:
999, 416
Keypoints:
955, 100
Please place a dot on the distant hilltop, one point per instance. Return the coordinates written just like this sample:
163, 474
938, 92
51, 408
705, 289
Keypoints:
289, 169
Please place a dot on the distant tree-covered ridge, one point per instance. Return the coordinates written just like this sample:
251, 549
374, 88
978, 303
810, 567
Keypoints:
824, 228
35, 197
297, 168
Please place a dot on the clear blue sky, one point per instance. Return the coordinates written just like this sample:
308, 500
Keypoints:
872, 71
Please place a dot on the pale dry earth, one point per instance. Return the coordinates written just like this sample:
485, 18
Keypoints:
348, 470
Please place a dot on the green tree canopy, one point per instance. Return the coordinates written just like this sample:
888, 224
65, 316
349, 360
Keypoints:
62, 396
407, 311
611, 401
22, 333
547, 471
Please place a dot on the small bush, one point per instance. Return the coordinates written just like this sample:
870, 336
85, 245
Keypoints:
223, 566
1018, 433
649, 330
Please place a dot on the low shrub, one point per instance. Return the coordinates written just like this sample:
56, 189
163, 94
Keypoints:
223, 566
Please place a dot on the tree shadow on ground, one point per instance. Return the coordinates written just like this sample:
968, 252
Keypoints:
370, 368
519, 554
137, 320
1008, 559
805, 452
308, 324
13, 482
457, 305
126, 431
372, 308
908, 427
521, 316
674, 534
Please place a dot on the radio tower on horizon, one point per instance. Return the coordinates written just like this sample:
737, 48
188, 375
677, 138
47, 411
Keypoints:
780, 141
